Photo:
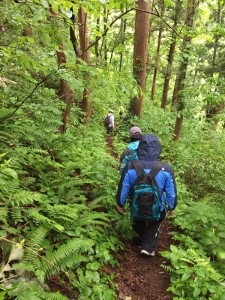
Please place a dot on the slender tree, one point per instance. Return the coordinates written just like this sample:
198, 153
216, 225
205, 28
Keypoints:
140, 52
64, 92
179, 84
119, 38
85, 56
170, 57
157, 52
215, 108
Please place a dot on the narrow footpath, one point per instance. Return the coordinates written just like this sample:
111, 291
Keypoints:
140, 277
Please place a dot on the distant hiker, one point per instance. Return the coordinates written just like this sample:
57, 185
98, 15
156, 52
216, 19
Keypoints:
130, 152
121, 111
109, 121
153, 193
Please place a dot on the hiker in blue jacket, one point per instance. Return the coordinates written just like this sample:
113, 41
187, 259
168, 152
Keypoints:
130, 152
149, 151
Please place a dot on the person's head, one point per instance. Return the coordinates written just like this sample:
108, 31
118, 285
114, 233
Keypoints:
149, 147
111, 111
135, 134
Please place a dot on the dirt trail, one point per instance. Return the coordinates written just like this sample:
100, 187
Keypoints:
140, 277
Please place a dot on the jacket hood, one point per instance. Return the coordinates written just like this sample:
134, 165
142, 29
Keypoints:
149, 147
133, 146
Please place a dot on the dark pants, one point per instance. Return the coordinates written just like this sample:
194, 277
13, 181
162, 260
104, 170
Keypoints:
109, 128
148, 232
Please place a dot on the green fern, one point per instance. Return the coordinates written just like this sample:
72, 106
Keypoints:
56, 261
31, 290
38, 218
93, 217
4, 214
5, 137
63, 213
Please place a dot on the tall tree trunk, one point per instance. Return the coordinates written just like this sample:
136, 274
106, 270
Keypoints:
170, 56
96, 41
85, 56
119, 38
73, 37
123, 41
150, 34
157, 53
104, 45
213, 110
179, 84
216, 37
140, 52
64, 92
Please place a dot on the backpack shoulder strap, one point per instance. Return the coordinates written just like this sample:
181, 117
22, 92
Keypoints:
157, 167
138, 167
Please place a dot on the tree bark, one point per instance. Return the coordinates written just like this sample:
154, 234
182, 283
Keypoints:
170, 57
96, 41
104, 45
157, 53
216, 37
140, 53
64, 92
123, 40
119, 38
179, 84
85, 56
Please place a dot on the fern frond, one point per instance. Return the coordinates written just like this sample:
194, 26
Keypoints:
36, 238
91, 218
96, 203
32, 260
5, 137
57, 260
4, 214
64, 213
38, 218
53, 296
33, 290
23, 197
16, 215
9, 189
27, 181
94, 223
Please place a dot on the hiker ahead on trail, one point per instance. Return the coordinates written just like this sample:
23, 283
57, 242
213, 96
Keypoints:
109, 121
130, 152
121, 111
153, 192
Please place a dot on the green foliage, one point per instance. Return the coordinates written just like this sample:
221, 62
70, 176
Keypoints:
57, 192
192, 265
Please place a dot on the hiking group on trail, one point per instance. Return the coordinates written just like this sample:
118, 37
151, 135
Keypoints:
149, 186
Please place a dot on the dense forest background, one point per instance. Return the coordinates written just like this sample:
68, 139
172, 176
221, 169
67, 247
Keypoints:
63, 64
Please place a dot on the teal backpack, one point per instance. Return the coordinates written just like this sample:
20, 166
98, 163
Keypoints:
146, 199
132, 156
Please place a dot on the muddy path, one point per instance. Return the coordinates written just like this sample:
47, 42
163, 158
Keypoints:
141, 277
